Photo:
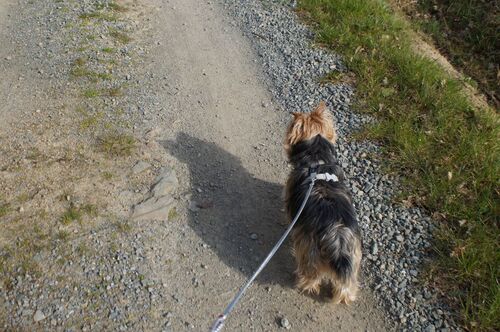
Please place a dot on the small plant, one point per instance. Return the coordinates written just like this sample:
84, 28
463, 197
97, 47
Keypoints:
108, 50
91, 93
172, 214
89, 122
82, 249
336, 77
115, 92
117, 144
107, 175
99, 15
23, 198
121, 37
80, 61
63, 235
123, 226
4, 209
104, 76
82, 72
116, 7
89, 210
71, 214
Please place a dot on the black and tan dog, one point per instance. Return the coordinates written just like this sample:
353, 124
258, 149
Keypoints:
326, 238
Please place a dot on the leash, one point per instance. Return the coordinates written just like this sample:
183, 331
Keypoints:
219, 322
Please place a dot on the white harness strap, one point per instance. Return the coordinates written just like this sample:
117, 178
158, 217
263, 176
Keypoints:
327, 177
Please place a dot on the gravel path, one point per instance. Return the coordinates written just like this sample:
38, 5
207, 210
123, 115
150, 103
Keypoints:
205, 90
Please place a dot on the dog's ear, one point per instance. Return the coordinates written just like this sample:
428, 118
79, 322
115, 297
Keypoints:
320, 109
296, 115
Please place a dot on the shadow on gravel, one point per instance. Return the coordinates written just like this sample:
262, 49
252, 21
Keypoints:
240, 216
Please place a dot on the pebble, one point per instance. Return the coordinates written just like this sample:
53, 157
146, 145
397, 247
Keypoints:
193, 206
284, 323
254, 236
39, 316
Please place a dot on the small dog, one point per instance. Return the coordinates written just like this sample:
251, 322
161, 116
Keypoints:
326, 238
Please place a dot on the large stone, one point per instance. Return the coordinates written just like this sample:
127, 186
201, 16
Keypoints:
39, 316
166, 183
154, 208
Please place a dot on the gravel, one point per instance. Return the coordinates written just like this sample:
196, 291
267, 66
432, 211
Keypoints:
400, 237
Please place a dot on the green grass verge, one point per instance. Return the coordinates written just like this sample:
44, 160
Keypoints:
447, 150
469, 33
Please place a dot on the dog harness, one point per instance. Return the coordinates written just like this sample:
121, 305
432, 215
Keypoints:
313, 171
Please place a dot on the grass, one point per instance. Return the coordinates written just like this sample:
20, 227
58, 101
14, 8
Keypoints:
99, 15
446, 149
91, 93
121, 37
83, 72
117, 144
109, 50
107, 175
89, 210
63, 235
123, 226
4, 209
90, 122
23, 198
337, 77
72, 214
172, 214
116, 7
114, 92
80, 61
468, 33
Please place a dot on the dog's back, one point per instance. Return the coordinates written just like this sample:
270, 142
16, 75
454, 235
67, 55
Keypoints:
327, 242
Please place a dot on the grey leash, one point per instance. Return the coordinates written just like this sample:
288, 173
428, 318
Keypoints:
219, 322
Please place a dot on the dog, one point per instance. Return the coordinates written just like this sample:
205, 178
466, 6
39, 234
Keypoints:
326, 238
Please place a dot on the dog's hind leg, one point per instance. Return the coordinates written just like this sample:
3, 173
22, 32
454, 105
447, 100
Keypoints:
308, 260
344, 291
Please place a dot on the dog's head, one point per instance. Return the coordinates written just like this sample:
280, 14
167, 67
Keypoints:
305, 126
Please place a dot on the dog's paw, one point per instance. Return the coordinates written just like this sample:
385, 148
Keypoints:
309, 286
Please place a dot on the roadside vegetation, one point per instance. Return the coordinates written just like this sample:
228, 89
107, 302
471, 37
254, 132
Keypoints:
468, 33
446, 147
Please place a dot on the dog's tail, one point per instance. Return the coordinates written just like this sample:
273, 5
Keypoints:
341, 248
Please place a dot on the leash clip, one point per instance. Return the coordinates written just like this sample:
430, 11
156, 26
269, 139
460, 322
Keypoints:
313, 170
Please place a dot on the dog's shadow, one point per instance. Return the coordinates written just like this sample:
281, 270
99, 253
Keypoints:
239, 217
